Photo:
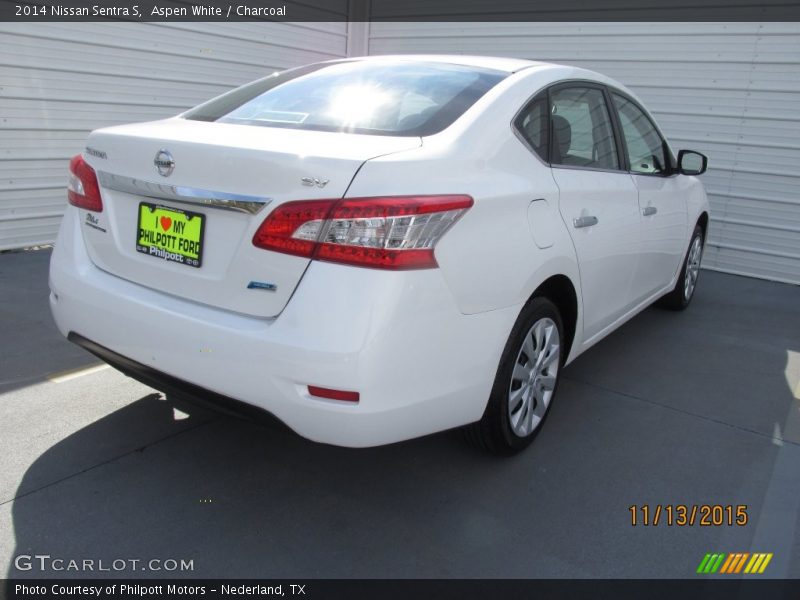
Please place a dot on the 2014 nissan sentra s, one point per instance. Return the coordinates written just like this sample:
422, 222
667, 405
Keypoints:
377, 249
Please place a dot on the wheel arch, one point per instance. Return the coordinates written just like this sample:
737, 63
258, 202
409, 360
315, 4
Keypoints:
561, 292
702, 221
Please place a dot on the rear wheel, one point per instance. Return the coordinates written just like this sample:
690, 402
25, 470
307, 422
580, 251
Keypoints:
681, 295
526, 381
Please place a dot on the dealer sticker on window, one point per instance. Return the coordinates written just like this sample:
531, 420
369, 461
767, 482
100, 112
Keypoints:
170, 234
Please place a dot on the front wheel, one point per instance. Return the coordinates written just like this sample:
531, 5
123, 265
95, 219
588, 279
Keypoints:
681, 295
526, 381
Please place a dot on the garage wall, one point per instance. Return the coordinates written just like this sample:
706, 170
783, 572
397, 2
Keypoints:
730, 90
60, 81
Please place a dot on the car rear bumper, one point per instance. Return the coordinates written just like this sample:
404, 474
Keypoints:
397, 338
172, 386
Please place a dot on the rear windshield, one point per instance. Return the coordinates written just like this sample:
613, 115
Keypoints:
402, 98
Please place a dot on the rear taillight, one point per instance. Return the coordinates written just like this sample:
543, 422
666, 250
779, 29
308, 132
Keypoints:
292, 228
83, 190
386, 233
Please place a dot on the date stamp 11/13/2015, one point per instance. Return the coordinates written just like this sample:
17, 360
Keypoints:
689, 515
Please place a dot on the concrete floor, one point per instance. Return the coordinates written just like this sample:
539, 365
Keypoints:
694, 408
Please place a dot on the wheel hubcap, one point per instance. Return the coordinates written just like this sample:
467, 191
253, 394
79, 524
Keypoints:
692, 267
534, 377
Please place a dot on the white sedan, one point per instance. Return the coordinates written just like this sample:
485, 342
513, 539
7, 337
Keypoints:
377, 249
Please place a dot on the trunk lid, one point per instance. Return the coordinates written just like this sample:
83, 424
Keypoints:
233, 176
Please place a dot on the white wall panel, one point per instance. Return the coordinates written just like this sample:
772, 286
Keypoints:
60, 81
730, 90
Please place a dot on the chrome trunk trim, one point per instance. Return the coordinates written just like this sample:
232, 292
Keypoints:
181, 193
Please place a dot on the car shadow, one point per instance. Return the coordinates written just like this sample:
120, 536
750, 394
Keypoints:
238, 497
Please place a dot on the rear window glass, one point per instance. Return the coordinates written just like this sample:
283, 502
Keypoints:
403, 98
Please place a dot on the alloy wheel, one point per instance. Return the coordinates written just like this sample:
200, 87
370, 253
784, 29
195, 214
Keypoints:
692, 267
533, 379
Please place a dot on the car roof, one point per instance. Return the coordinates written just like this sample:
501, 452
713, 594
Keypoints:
498, 63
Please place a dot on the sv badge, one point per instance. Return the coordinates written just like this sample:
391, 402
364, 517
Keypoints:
313, 181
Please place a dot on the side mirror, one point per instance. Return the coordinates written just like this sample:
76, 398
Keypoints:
692, 163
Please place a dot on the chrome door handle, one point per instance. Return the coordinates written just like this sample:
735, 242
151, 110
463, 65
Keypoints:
649, 210
584, 222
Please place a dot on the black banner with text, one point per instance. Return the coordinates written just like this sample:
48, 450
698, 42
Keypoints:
316, 589
394, 10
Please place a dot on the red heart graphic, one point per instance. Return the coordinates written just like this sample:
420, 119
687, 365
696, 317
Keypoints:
166, 222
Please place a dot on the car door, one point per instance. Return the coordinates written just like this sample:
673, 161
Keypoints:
662, 197
598, 200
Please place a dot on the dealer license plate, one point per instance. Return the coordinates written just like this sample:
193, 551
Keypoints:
170, 234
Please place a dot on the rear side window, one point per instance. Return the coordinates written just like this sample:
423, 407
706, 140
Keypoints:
404, 98
533, 124
581, 131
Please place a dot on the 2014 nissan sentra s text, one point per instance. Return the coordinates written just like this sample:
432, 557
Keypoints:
377, 249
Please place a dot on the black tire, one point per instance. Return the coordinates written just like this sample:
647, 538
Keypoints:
495, 433
678, 299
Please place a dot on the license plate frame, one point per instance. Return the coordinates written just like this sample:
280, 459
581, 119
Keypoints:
161, 239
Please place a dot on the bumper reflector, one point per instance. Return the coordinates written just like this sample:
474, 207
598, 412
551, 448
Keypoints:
321, 392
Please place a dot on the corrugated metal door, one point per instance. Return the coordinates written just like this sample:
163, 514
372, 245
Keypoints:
59, 81
730, 90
